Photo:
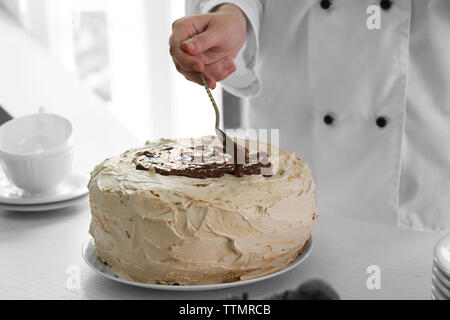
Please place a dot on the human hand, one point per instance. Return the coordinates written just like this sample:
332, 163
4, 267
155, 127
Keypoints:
208, 43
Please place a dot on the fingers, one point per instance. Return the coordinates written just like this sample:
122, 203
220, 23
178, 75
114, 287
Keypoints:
188, 28
199, 43
221, 69
195, 76
212, 56
225, 74
187, 62
213, 73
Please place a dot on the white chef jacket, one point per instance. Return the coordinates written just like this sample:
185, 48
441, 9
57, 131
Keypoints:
329, 83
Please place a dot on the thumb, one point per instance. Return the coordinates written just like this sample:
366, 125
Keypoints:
199, 43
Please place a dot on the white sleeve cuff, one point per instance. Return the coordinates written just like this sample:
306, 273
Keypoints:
244, 82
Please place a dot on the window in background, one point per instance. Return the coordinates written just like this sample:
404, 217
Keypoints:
119, 49
90, 44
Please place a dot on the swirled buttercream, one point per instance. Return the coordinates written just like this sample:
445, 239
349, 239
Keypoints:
170, 229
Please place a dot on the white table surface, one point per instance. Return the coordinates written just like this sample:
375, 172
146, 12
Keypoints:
36, 249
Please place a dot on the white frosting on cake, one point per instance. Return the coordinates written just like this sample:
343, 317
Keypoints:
173, 229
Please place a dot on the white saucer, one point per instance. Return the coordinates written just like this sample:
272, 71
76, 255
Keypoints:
74, 186
88, 252
44, 206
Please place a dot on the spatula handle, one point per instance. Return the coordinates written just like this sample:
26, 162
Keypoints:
216, 109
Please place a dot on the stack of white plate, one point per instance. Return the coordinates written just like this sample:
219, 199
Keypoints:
440, 287
71, 191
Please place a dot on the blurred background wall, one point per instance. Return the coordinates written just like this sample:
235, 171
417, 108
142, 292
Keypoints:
118, 49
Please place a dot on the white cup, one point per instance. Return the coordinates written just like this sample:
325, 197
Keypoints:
35, 151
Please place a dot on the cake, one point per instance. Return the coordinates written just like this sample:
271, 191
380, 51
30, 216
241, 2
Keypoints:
178, 212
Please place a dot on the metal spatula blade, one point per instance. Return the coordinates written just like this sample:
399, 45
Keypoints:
227, 142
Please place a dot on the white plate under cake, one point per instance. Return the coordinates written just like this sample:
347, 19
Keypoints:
182, 212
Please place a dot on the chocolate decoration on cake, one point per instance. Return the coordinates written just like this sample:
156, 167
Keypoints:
202, 161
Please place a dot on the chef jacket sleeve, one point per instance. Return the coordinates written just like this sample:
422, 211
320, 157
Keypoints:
244, 82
